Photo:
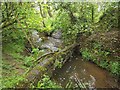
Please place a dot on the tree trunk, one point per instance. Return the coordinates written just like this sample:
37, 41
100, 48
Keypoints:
46, 66
92, 14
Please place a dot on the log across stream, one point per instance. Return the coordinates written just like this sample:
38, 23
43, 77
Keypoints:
86, 72
46, 65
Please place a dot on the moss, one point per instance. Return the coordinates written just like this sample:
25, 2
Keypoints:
41, 68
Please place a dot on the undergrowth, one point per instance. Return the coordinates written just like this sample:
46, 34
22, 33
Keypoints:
99, 56
45, 82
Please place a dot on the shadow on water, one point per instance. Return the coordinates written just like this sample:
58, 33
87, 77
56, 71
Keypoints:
86, 72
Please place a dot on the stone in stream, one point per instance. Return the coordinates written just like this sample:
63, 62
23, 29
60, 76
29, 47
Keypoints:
56, 42
57, 34
52, 44
36, 40
49, 46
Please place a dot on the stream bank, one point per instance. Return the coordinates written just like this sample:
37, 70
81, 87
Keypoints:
103, 48
100, 67
86, 72
54, 53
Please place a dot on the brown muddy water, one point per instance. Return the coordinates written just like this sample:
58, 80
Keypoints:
86, 72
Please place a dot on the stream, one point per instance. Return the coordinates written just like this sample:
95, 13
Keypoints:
86, 72
75, 70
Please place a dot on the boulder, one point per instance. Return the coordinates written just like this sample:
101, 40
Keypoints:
57, 34
52, 44
36, 40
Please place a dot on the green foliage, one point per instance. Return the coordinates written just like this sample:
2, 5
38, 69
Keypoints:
59, 62
46, 83
6, 66
109, 18
19, 19
10, 82
104, 64
74, 20
99, 56
62, 21
115, 68
28, 61
33, 19
35, 52
86, 54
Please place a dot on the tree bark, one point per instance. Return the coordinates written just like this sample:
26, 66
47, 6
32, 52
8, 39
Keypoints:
11, 23
92, 13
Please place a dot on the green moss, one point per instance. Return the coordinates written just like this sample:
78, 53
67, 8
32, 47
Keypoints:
41, 68
115, 68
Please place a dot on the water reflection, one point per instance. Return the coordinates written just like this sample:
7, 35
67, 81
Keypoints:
86, 72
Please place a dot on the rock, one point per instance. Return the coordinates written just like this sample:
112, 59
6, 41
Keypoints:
49, 46
52, 44
56, 42
36, 40
57, 34
35, 35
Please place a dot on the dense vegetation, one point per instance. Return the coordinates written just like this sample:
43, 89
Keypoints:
75, 20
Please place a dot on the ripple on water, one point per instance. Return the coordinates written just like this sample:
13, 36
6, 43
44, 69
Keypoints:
86, 72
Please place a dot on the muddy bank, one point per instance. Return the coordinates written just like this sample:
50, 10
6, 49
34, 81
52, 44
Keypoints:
102, 48
107, 41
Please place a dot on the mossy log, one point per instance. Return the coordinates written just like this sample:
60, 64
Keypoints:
45, 66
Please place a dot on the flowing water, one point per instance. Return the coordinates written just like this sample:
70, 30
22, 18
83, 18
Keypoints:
86, 72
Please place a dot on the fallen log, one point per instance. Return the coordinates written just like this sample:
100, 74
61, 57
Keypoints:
45, 66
